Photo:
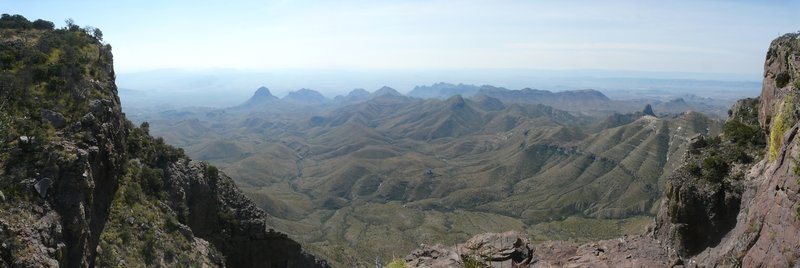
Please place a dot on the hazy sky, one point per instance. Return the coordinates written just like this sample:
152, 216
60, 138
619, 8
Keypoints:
673, 36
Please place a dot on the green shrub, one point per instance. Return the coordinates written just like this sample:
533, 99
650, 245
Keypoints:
133, 194
798, 212
783, 118
43, 24
782, 79
714, 168
743, 134
737, 154
150, 248
152, 181
152, 152
397, 263
694, 169
14, 22
472, 263
714, 141
211, 172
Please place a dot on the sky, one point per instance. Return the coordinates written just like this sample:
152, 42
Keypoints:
722, 37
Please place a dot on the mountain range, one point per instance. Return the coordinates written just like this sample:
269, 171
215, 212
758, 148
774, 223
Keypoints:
448, 165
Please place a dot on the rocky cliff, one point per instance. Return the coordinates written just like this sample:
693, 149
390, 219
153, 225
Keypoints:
734, 202
751, 219
80, 186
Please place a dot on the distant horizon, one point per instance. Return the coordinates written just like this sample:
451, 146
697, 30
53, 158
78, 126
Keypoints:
332, 82
227, 87
541, 73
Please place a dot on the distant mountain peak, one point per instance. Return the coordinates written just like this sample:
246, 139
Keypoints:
358, 92
263, 93
443, 90
305, 96
489, 103
260, 97
385, 90
455, 102
527, 89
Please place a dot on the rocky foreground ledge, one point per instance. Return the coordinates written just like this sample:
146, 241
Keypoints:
513, 249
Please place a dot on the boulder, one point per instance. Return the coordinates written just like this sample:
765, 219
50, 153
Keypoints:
54, 118
509, 249
42, 186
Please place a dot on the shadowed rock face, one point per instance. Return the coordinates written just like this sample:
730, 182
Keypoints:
203, 195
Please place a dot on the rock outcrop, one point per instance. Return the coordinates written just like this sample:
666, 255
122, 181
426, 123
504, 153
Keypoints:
512, 249
509, 249
81, 185
648, 110
765, 232
218, 212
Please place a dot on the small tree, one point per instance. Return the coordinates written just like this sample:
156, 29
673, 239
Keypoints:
70, 24
98, 34
14, 22
43, 24
94, 32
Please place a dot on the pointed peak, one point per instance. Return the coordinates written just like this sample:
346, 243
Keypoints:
489, 103
306, 90
648, 110
305, 96
385, 90
358, 92
455, 101
261, 96
262, 92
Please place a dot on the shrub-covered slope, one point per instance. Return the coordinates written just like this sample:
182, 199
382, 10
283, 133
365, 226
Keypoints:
80, 186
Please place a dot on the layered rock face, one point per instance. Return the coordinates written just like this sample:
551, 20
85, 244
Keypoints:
767, 232
80, 186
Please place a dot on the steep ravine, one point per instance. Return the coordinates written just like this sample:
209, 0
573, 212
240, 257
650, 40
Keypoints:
80, 186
